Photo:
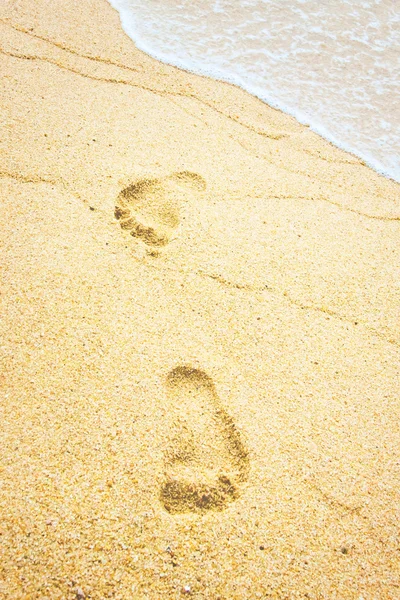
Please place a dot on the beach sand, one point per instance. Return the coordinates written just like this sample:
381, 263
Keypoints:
200, 333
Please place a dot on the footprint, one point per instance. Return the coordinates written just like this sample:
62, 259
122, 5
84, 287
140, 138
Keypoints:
149, 209
206, 462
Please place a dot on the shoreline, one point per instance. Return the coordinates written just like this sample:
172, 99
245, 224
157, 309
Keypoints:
257, 92
200, 333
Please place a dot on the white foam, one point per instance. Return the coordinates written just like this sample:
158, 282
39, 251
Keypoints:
332, 65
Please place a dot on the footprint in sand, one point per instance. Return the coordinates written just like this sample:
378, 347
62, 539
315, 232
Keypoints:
206, 462
150, 208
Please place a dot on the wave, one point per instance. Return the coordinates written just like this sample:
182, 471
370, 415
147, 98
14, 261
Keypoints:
332, 65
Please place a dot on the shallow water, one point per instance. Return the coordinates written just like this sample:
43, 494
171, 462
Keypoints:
333, 64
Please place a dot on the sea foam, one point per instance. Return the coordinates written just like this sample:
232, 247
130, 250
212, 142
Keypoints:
332, 64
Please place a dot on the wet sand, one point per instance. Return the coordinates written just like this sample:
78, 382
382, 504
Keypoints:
200, 334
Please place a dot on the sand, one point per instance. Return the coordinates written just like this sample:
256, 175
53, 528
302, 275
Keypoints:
200, 333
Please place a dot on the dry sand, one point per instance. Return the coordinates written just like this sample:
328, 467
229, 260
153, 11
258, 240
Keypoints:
208, 407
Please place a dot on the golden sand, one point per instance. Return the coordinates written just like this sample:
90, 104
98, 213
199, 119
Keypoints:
200, 334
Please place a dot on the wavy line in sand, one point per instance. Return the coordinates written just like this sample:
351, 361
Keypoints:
248, 288
121, 66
